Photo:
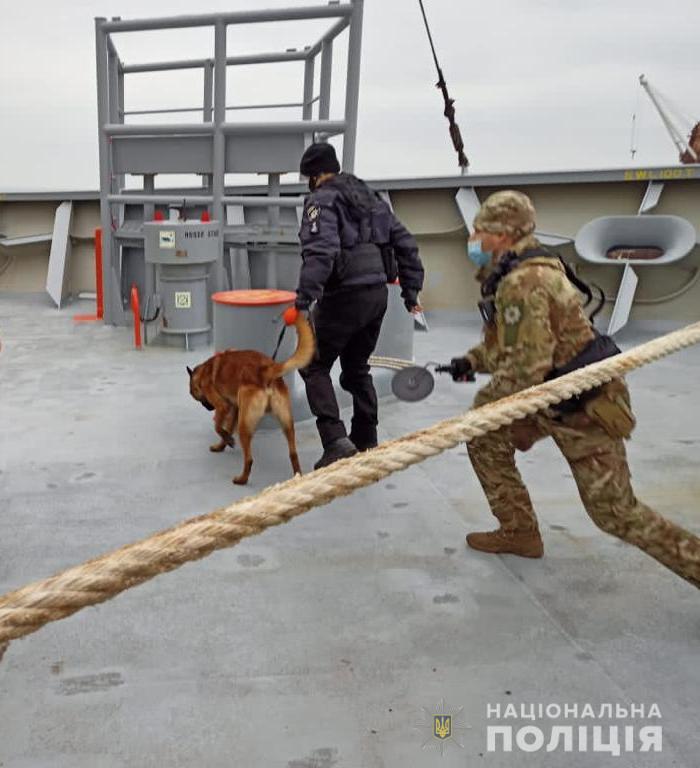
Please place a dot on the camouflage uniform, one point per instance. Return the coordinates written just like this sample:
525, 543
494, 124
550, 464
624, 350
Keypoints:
540, 324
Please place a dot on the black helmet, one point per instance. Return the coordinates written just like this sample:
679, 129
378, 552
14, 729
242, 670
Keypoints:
317, 159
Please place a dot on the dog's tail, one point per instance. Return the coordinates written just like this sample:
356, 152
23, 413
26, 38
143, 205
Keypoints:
303, 354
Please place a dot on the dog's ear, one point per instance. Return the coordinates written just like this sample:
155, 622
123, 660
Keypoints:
189, 370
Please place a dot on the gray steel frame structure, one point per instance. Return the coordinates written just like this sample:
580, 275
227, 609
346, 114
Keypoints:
213, 146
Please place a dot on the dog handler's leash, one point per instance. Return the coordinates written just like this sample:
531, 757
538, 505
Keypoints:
279, 339
289, 316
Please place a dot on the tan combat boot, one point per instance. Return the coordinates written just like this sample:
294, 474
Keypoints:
522, 543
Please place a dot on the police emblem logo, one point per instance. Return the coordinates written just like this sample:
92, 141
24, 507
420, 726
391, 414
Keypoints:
442, 726
312, 214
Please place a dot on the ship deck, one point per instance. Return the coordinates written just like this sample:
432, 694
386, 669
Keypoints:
319, 642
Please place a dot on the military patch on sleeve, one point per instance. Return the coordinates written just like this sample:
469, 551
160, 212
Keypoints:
312, 215
512, 317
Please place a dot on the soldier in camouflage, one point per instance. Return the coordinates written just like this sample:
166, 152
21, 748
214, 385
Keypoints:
536, 325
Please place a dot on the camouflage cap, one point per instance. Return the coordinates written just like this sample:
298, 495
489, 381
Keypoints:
506, 212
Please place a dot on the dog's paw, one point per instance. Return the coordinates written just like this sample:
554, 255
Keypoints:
217, 448
240, 480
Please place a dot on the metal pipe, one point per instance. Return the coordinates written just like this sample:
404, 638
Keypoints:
273, 191
267, 106
120, 94
158, 129
208, 109
352, 87
156, 199
324, 106
208, 106
236, 17
231, 61
328, 36
149, 187
265, 58
116, 98
307, 107
263, 202
111, 47
219, 149
177, 110
174, 110
331, 127
149, 209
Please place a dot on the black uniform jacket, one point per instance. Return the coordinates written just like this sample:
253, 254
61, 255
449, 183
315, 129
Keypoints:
345, 231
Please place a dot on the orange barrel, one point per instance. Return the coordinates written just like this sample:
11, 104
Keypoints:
245, 319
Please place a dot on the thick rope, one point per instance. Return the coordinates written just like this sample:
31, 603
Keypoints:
29, 608
393, 363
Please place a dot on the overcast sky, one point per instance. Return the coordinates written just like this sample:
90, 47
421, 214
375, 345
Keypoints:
539, 84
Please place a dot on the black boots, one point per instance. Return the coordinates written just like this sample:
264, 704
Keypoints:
342, 448
363, 437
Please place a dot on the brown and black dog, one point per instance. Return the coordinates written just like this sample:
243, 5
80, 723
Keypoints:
242, 386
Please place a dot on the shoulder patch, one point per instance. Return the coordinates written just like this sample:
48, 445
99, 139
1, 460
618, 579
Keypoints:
512, 314
313, 211
512, 317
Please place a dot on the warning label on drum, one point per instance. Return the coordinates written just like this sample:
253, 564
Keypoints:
167, 238
183, 300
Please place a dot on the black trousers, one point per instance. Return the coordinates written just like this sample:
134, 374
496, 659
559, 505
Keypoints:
347, 327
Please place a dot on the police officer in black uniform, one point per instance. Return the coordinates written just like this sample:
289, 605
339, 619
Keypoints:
351, 246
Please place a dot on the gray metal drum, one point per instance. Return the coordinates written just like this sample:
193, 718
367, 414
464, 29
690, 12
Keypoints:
250, 319
183, 252
185, 307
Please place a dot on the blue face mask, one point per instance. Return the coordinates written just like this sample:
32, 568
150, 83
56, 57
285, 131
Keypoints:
476, 255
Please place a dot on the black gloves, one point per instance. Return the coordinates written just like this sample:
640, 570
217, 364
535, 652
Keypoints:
410, 299
461, 369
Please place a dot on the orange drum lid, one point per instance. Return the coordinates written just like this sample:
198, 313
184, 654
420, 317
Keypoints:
261, 297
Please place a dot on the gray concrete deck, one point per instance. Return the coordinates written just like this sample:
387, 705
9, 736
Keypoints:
318, 643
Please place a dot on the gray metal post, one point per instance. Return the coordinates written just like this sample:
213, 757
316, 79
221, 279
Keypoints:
273, 218
352, 88
307, 109
207, 107
218, 178
273, 191
120, 91
113, 311
149, 209
208, 90
324, 104
116, 101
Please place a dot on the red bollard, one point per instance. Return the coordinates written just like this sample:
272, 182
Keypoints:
99, 288
98, 275
136, 310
